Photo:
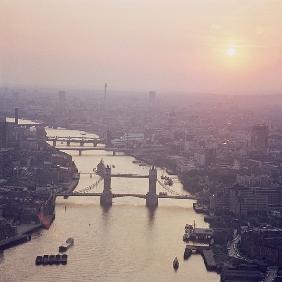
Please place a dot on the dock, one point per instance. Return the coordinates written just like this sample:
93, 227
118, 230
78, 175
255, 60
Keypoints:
13, 241
209, 260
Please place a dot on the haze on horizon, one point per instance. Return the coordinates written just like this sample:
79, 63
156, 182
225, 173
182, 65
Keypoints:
211, 46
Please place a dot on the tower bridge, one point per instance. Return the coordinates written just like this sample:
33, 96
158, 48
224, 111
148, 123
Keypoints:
107, 195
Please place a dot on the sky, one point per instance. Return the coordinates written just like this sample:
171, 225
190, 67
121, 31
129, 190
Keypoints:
190, 46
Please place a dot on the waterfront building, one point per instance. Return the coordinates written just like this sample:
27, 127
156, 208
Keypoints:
263, 244
254, 200
6, 229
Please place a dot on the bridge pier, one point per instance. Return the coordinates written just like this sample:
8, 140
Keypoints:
152, 197
114, 153
81, 143
80, 152
106, 198
54, 143
68, 143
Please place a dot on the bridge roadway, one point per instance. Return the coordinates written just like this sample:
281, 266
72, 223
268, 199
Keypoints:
72, 138
94, 149
118, 195
123, 175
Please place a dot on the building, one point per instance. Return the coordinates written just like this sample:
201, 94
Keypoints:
254, 200
3, 132
259, 138
6, 229
263, 244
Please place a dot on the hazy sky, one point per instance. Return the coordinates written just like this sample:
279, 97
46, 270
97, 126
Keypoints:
221, 46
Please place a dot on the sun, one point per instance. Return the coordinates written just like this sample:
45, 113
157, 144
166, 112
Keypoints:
231, 52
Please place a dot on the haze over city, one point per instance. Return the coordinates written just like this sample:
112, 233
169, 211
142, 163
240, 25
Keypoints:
141, 140
202, 46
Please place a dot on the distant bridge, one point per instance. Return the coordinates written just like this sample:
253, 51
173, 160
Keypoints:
75, 139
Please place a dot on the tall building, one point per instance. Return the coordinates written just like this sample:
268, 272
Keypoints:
16, 115
3, 131
259, 138
152, 96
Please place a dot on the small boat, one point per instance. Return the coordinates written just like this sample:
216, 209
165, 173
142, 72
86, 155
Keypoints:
187, 253
186, 237
58, 259
52, 259
189, 227
168, 181
175, 263
39, 260
45, 259
64, 259
69, 242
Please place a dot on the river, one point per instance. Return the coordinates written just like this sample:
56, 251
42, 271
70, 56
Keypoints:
127, 242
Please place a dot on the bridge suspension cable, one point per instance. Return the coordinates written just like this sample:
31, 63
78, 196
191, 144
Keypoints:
90, 187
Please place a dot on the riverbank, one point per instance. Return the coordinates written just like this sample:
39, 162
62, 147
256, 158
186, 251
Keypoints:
24, 223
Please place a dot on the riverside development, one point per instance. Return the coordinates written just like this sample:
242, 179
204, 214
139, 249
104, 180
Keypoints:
125, 242
32, 172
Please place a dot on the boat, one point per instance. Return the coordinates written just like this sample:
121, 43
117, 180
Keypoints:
52, 259
58, 259
69, 243
175, 263
168, 181
189, 227
187, 253
186, 237
45, 259
64, 259
39, 260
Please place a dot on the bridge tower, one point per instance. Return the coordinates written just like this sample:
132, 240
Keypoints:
152, 197
55, 142
106, 199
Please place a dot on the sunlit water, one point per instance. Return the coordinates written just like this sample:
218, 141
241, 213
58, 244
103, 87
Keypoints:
128, 242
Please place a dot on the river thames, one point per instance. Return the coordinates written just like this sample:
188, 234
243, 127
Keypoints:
127, 242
